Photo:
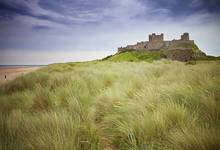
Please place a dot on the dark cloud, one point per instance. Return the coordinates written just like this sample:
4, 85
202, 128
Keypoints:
59, 20
185, 7
11, 9
41, 27
91, 12
211, 5
72, 7
81, 12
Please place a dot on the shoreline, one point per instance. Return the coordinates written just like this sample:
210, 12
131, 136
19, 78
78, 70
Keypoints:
8, 73
20, 66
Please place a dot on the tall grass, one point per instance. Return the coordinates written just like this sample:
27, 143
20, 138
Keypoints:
113, 105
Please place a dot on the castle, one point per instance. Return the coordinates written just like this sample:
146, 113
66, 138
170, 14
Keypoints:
156, 42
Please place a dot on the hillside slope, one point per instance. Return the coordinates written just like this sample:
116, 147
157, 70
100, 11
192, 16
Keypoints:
135, 56
113, 105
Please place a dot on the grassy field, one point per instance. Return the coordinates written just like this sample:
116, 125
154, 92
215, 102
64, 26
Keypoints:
113, 105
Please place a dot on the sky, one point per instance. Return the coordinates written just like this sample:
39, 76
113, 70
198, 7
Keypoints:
36, 32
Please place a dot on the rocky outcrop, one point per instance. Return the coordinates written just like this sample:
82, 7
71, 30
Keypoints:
181, 55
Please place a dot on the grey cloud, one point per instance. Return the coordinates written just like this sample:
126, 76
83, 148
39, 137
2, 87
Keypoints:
41, 27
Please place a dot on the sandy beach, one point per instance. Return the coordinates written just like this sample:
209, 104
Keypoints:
10, 73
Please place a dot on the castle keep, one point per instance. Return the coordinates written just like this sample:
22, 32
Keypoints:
157, 42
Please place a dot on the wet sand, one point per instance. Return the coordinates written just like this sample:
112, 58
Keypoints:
11, 73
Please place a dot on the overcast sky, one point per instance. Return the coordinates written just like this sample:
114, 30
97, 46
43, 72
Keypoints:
48, 31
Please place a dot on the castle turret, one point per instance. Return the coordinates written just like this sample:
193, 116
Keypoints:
185, 37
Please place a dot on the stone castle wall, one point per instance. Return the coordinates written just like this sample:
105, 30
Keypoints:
155, 45
154, 37
156, 42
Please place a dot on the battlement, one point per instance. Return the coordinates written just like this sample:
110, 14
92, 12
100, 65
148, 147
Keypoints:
156, 42
154, 37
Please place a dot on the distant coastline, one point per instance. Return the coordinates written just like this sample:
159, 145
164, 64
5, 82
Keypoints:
10, 72
21, 66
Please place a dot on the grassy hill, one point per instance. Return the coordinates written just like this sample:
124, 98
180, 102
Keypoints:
135, 56
113, 104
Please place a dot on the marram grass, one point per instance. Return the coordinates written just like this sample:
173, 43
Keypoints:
113, 105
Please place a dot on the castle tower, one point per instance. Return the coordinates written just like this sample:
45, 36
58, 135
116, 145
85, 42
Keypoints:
185, 37
154, 37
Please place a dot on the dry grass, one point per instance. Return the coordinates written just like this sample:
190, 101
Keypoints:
123, 105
